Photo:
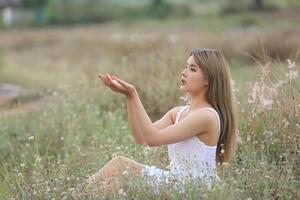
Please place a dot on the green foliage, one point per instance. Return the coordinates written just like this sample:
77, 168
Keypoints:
33, 3
68, 11
159, 8
233, 6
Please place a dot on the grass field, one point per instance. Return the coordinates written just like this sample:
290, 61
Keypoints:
67, 125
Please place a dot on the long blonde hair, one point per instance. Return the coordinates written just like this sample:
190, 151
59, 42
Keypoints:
220, 95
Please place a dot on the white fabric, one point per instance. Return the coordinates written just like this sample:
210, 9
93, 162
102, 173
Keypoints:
189, 159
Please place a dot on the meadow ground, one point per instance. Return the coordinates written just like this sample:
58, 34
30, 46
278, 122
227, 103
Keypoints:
66, 125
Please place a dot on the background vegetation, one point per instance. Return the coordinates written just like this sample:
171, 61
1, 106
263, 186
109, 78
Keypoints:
63, 125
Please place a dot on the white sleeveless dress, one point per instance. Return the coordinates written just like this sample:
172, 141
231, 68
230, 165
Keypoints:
189, 159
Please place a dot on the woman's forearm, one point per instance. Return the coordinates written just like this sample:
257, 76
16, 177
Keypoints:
136, 130
141, 124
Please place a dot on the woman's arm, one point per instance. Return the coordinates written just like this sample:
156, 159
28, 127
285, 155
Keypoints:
141, 124
195, 123
136, 130
145, 132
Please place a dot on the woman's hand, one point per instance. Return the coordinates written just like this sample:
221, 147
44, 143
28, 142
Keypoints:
117, 85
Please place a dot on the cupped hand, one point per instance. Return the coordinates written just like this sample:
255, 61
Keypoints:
117, 85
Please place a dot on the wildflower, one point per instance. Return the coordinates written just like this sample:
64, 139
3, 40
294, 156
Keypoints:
292, 75
125, 172
121, 192
266, 102
225, 163
31, 137
286, 123
291, 64
268, 135
248, 138
22, 165
280, 83
38, 159
254, 92
268, 177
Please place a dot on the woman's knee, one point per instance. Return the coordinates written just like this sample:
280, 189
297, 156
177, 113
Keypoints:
127, 162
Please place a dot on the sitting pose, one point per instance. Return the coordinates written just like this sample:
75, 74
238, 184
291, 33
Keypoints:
199, 136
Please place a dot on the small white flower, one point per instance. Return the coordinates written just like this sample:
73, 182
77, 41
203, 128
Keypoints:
286, 123
280, 83
125, 172
121, 192
292, 75
291, 64
38, 159
22, 165
31, 137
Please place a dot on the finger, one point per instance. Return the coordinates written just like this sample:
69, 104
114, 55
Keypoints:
122, 82
106, 79
102, 78
114, 82
109, 79
114, 77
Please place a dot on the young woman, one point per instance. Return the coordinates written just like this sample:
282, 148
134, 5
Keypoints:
199, 136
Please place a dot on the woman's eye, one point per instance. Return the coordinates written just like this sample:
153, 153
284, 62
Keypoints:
193, 70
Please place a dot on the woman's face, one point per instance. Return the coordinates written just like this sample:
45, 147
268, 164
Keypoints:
192, 77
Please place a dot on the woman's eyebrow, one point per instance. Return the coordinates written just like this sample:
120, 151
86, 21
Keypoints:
192, 65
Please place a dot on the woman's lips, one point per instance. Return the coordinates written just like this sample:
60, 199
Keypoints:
182, 82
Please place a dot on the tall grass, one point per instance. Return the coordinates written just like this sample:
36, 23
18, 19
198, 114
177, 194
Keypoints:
46, 154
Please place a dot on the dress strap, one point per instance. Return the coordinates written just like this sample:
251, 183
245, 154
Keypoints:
179, 113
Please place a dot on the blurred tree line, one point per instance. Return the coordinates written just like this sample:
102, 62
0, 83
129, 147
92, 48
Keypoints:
231, 6
74, 11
